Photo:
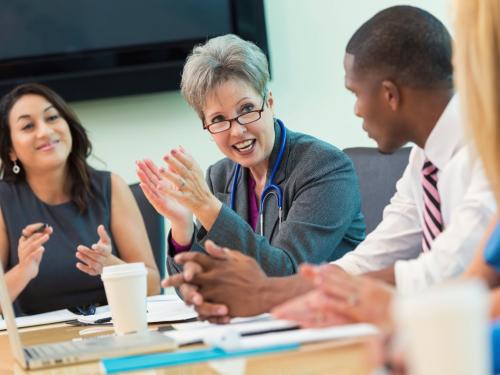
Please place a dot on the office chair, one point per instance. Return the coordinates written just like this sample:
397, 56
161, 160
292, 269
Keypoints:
377, 174
154, 226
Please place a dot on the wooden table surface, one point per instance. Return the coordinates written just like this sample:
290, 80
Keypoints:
344, 357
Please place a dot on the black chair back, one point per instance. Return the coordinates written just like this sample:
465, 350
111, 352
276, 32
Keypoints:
377, 174
154, 226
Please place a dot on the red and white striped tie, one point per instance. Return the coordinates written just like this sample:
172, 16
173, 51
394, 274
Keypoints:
433, 221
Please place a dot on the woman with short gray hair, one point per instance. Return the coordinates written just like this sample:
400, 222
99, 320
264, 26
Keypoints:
282, 197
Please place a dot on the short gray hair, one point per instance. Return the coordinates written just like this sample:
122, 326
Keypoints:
218, 60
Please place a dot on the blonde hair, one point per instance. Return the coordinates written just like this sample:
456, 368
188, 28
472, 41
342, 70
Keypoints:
477, 66
218, 60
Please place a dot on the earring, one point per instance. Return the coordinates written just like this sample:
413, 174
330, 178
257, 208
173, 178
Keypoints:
15, 168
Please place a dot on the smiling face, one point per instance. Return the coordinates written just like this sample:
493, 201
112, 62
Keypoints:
249, 145
377, 103
41, 138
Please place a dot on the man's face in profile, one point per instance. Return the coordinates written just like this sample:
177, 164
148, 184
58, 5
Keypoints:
380, 121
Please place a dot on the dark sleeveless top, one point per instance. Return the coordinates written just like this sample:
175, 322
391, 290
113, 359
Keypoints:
59, 283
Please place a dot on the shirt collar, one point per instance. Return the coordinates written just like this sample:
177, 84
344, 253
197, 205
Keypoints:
447, 136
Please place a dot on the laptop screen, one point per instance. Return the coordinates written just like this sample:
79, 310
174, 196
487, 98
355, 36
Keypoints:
10, 321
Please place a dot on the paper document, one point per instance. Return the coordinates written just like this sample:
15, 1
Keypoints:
41, 319
190, 333
58, 316
169, 308
260, 331
229, 341
161, 308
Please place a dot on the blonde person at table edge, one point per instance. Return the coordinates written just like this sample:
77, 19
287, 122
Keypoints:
281, 197
93, 219
477, 35
402, 97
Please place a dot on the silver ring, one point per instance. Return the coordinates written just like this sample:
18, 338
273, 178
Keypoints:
319, 319
353, 300
183, 183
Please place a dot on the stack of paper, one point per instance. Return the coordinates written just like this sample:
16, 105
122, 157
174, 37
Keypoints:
263, 335
262, 330
161, 308
191, 333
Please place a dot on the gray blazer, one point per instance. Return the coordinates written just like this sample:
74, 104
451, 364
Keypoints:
322, 217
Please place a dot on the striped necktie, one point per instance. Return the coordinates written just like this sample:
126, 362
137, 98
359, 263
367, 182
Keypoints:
433, 221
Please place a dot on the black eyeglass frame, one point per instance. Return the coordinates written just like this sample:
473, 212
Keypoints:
237, 119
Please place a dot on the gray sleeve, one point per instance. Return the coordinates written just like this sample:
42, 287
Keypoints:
323, 207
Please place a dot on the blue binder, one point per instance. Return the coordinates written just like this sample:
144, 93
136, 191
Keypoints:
495, 346
183, 357
492, 249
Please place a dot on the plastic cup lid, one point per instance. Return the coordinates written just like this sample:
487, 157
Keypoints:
123, 270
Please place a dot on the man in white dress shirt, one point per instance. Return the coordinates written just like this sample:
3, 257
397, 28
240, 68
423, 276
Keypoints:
398, 64
393, 251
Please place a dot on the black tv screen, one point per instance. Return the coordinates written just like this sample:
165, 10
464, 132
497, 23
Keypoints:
93, 48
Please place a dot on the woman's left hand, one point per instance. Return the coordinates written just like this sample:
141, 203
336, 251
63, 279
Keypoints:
187, 184
92, 260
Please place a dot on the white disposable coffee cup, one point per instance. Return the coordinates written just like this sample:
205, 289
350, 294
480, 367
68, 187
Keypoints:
444, 330
126, 290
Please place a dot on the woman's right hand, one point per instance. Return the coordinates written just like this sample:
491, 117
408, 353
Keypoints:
30, 248
181, 218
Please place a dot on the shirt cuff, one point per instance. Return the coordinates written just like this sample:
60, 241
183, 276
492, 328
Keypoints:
176, 247
406, 279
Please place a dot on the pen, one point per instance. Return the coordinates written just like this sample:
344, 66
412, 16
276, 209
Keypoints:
103, 320
39, 229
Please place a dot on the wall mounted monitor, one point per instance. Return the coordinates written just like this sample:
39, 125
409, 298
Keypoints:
94, 49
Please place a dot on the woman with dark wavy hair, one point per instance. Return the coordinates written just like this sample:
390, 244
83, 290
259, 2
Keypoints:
54, 205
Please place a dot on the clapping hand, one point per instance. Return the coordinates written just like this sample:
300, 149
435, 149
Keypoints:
187, 184
93, 259
30, 247
154, 185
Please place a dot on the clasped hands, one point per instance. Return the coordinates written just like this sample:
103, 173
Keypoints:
220, 285
226, 283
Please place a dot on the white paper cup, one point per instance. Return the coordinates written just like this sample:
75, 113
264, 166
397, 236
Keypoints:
444, 330
126, 289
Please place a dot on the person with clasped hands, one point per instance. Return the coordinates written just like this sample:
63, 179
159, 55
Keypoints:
54, 206
266, 166
420, 241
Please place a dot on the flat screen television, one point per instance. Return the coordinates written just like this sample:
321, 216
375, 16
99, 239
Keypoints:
92, 49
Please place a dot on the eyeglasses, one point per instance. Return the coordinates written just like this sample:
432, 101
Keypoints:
243, 119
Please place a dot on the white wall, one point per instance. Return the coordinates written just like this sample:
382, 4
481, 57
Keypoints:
307, 40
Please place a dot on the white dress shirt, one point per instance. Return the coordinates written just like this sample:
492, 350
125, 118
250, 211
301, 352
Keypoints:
467, 206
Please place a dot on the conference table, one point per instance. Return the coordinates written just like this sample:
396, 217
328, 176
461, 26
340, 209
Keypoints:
331, 357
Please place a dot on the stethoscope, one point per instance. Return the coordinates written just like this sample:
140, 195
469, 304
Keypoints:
271, 188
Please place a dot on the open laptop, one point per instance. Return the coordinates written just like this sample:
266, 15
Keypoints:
83, 350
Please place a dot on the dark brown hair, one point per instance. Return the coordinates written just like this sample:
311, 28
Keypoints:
78, 169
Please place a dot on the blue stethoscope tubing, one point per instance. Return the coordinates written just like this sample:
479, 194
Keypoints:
271, 188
